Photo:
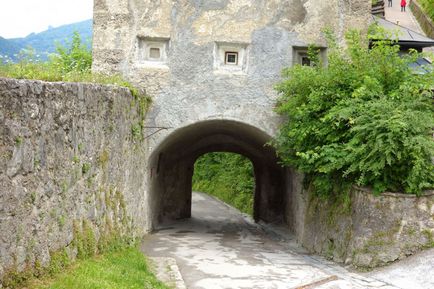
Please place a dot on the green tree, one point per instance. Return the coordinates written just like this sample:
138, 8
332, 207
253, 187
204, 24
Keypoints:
75, 57
366, 118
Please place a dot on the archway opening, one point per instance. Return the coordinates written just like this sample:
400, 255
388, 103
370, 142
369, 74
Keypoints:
171, 168
227, 176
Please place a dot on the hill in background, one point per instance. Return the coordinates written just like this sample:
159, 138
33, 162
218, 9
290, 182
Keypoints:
45, 42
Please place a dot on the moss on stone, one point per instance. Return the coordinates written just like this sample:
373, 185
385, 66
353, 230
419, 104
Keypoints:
430, 238
59, 260
75, 159
14, 278
18, 140
85, 168
114, 229
84, 239
103, 158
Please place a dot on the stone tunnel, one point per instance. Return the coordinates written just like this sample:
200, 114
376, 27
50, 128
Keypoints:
210, 68
171, 168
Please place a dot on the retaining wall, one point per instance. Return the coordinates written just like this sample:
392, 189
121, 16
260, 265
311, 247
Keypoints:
364, 230
68, 159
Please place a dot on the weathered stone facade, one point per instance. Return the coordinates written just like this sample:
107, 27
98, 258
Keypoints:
66, 155
178, 51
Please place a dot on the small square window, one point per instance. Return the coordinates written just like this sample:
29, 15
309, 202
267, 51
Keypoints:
231, 58
305, 61
301, 56
154, 53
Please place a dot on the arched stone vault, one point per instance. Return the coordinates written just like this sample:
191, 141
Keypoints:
172, 163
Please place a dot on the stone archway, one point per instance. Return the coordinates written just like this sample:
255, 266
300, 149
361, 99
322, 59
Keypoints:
172, 164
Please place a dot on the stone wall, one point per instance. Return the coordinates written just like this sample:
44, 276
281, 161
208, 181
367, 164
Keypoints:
364, 230
67, 155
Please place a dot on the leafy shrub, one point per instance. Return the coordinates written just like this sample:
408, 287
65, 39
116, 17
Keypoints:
366, 118
75, 58
68, 63
228, 177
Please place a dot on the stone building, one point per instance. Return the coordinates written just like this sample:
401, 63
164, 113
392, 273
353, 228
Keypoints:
210, 67
68, 161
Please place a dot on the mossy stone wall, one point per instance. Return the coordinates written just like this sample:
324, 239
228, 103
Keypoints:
71, 171
362, 229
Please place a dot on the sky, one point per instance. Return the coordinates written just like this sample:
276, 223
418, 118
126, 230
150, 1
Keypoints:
19, 18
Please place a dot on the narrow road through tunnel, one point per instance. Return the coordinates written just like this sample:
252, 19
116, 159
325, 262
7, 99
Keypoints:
172, 165
227, 176
218, 248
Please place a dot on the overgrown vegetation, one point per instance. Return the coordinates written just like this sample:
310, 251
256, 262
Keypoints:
227, 176
72, 63
127, 268
45, 42
366, 118
112, 261
428, 7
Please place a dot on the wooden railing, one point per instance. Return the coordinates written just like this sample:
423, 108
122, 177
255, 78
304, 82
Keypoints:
378, 8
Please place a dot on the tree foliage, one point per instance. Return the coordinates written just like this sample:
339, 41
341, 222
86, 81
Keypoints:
70, 63
75, 57
365, 118
227, 176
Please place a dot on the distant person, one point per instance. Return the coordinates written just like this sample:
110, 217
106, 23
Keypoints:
403, 4
389, 4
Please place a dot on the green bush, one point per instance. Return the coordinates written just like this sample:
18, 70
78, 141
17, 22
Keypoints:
228, 177
70, 63
75, 58
366, 118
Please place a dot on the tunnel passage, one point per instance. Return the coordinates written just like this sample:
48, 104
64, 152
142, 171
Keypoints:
172, 164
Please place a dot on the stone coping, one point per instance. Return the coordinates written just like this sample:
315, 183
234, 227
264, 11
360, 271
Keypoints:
427, 193
62, 82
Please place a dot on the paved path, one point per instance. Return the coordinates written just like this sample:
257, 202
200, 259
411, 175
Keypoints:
219, 248
405, 19
415, 272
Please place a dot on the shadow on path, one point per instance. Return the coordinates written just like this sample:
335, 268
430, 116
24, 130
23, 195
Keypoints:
220, 248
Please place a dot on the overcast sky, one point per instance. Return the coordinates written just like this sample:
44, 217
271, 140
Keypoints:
19, 18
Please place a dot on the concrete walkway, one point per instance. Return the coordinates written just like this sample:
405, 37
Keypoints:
220, 248
415, 272
405, 19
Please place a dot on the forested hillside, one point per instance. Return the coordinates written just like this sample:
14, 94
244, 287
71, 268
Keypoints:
45, 42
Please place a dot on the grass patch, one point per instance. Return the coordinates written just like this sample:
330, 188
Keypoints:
227, 176
127, 268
